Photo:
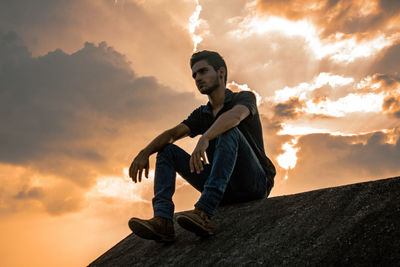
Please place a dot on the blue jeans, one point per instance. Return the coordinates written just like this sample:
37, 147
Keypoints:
234, 175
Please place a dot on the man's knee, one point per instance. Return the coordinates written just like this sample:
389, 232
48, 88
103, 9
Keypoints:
231, 133
167, 151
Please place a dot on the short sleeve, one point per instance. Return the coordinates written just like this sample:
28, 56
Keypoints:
193, 121
247, 99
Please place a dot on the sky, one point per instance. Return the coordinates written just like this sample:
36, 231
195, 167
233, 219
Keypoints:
85, 85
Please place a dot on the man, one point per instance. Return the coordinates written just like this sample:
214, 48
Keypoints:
235, 169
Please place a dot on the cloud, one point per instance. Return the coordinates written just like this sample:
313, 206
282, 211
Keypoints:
388, 62
147, 32
325, 160
73, 116
30, 193
364, 18
23, 190
55, 200
391, 105
271, 51
288, 109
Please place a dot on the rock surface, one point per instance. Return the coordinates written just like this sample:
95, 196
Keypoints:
357, 224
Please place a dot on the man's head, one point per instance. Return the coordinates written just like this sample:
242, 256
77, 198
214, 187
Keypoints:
209, 70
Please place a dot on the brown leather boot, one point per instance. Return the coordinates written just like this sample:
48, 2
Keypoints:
158, 228
197, 221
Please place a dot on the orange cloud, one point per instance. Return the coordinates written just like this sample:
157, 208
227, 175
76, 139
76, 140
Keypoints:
342, 159
364, 18
391, 105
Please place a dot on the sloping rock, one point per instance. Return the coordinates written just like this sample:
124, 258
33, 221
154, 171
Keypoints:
357, 224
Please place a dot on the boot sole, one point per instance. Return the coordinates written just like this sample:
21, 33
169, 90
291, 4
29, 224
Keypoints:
192, 226
144, 231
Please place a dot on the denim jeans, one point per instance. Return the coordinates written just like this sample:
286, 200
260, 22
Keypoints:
234, 175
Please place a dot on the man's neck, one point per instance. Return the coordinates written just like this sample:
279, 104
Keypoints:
217, 97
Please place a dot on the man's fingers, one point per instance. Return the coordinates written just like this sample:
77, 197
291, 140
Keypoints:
131, 170
194, 162
200, 163
146, 171
197, 163
191, 164
203, 155
134, 173
140, 175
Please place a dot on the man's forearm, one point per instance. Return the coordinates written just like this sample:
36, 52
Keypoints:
158, 143
225, 122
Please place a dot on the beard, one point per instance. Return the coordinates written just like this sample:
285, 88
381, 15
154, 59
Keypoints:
211, 88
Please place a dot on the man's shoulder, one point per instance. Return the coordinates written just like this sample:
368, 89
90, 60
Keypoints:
198, 111
243, 94
199, 108
244, 97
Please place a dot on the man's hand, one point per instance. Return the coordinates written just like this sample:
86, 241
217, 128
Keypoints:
138, 164
198, 154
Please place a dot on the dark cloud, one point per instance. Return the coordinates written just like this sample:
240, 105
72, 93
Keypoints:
288, 109
151, 33
30, 193
388, 83
55, 200
326, 160
58, 107
391, 105
388, 61
389, 80
16, 13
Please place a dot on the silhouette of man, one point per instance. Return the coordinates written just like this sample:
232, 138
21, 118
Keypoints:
235, 169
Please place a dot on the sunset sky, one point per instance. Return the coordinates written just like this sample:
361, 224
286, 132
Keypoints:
84, 85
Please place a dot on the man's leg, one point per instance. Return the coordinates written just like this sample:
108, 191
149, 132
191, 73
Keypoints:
171, 160
248, 181
235, 169
235, 176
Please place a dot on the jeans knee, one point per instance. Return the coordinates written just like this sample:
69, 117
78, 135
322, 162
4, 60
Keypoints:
167, 151
232, 133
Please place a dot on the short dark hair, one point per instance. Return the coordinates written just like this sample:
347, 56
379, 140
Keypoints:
212, 58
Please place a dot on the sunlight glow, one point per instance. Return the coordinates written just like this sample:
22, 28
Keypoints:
352, 102
124, 188
348, 104
244, 87
300, 130
339, 48
347, 50
194, 23
288, 159
121, 187
290, 129
303, 89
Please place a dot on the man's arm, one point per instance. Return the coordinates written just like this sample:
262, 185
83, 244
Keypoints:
225, 122
141, 161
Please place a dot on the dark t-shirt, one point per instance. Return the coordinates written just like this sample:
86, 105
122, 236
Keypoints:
202, 118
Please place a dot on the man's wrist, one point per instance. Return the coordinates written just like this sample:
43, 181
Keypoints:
145, 152
205, 136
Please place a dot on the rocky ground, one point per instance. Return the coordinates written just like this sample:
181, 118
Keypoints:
355, 225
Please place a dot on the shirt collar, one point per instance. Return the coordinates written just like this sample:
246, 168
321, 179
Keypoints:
227, 99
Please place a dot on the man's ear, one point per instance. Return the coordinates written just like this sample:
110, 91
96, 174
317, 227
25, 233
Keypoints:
221, 72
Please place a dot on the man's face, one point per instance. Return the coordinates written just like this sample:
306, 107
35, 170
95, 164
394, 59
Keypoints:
205, 76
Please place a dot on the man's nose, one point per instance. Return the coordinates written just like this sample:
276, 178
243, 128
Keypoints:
198, 78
